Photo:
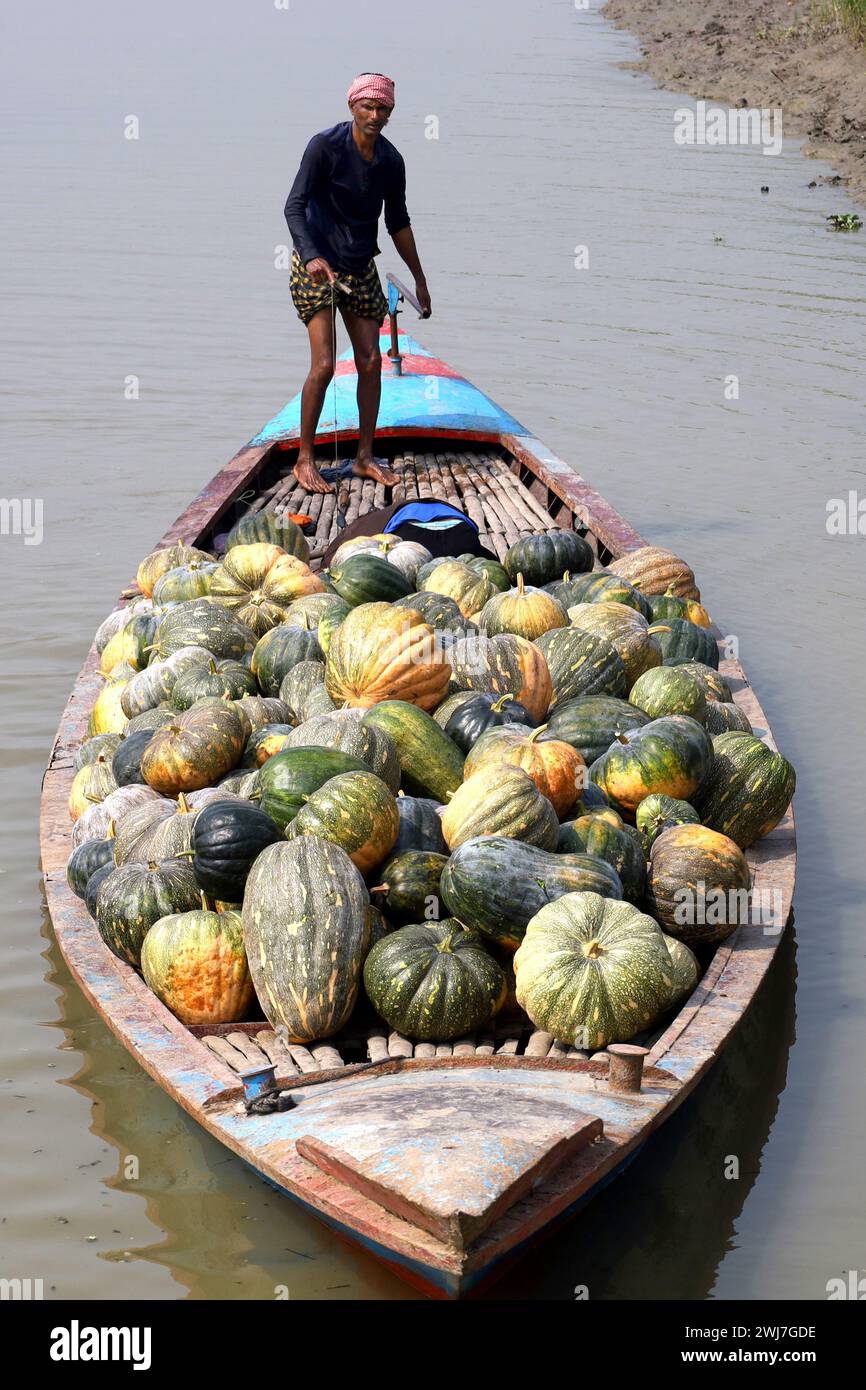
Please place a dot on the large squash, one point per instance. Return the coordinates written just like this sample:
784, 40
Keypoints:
286, 781
85, 859
475, 714
581, 663
441, 613
601, 587
431, 765
91, 784
590, 723
183, 582
420, 825
279, 651
134, 896
603, 834
682, 641
303, 686
542, 558
722, 718
356, 811
503, 665
368, 578
558, 770
500, 800
274, 528
148, 688
200, 745
671, 755
385, 653
749, 789
228, 836
408, 887
715, 687
656, 571
592, 971
306, 932
215, 680
159, 562
258, 582
434, 981
698, 884
669, 690
348, 731
626, 629
495, 885
527, 612
470, 589
196, 964
659, 812
200, 622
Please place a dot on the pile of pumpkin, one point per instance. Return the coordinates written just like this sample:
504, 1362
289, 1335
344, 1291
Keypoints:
460, 783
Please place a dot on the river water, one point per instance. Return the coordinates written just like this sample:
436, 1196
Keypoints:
154, 259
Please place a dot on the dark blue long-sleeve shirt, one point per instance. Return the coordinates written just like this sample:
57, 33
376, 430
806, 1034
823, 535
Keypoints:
336, 200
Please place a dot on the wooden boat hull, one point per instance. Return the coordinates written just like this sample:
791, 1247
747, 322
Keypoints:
533, 1137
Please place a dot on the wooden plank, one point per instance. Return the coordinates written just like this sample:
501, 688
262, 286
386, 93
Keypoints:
302, 1057
398, 1046
539, 1044
464, 1047
230, 1055
425, 1049
377, 1047
326, 1056
254, 1055
276, 1052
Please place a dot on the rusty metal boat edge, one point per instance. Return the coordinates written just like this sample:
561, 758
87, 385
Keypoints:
286, 1150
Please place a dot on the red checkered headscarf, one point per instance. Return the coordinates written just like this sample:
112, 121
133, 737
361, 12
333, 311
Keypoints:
374, 86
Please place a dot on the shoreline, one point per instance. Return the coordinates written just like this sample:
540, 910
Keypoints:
762, 54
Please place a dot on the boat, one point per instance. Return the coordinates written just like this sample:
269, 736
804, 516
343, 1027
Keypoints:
446, 1162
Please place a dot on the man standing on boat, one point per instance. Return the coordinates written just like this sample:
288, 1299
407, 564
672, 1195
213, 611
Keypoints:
346, 175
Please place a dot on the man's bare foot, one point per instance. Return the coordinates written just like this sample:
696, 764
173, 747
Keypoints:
380, 472
310, 478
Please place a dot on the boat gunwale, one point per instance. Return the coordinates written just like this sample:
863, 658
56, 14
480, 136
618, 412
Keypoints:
197, 1078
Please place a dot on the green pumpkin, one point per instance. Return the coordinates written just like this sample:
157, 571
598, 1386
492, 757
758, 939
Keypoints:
604, 835
183, 582
479, 714
420, 825
307, 932
269, 528
715, 687
441, 613
278, 652
698, 884
286, 781
227, 838
442, 713
500, 800
431, 765
201, 623
495, 572
494, 885
368, 578
356, 811
135, 896
658, 812
683, 641
601, 587
581, 663
85, 859
590, 723
217, 680
592, 971
433, 982
308, 611
669, 690
749, 789
526, 611
101, 745
545, 557
303, 682
126, 763
153, 686
408, 887
347, 730
264, 742
671, 755
724, 718
196, 964
685, 969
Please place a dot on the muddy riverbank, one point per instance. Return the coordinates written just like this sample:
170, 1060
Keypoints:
763, 53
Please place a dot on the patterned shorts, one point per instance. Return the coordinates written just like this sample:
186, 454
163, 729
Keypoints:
365, 297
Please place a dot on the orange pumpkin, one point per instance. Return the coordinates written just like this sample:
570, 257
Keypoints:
558, 770
656, 571
504, 665
525, 612
199, 746
382, 652
258, 582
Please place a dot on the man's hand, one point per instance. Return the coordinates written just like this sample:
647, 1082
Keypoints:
320, 272
422, 294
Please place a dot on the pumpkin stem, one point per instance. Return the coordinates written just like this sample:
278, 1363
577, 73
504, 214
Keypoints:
111, 831
592, 949
446, 944
153, 864
212, 666
535, 732
498, 705
659, 627
206, 904
566, 578
520, 586
182, 803
621, 738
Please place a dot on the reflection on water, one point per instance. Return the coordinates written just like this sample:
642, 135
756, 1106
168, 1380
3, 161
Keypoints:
155, 260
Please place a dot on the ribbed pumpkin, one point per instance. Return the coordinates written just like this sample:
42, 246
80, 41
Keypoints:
273, 528
286, 781
85, 859
117, 619
601, 587
368, 578
590, 723
309, 610
698, 884
135, 896
348, 731
159, 562
715, 687
380, 544
196, 964
626, 629
603, 834
497, 573
298, 686
420, 825
500, 800
279, 651
306, 932
749, 789
669, 690
723, 718
356, 811
430, 763
441, 613
384, 653
148, 688
126, 762
228, 836
665, 606
264, 743
469, 589
434, 981
408, 557
137, 830
259, 710
258, 582
408, 887
131, 643
659, 812
198, 747
183, 582
685, 969
656, 571
91, 783
93, 825
478, 713
107, 716
682, 641
200, 622
527, 612
92, 748
503, 665
494, 884
592, 971
673, 755
216, 679
581, 663
545, 557
558, 770
93, 885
